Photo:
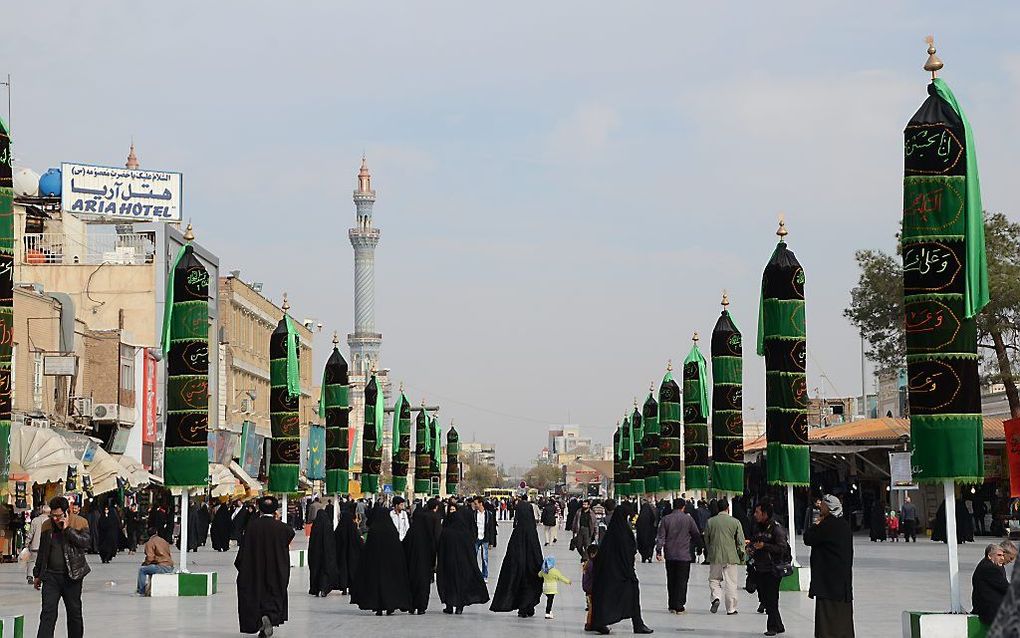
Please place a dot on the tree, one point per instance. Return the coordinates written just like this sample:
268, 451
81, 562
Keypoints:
876, 306
480, 477
543, 476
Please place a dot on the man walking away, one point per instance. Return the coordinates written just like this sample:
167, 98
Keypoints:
724, 549
485, 533
832, 561
678, 535
263, 571
584, 529
549, 521
908, 520
60, 568
771, 551
399, 516
34, 536
157, 560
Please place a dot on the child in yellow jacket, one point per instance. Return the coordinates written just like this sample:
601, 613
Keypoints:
551, 577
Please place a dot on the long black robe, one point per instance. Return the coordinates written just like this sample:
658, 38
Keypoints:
348, 548
381, 584
519, 586
193, 529
322, 567
458, 578
421, 545
220, 531
263, 573
239, 523
93, 516
615, 594
109, 535
202, 519
646, 532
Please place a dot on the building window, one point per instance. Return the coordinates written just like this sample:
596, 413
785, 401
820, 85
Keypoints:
37, 381
127, 376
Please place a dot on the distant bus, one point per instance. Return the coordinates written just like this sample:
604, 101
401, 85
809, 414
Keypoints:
497, 492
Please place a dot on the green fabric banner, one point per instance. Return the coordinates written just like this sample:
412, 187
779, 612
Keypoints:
371, 438
945, 284
284, 411
670, 454
186, 453
401, 455
422, 461
452, 460
626, 451
335, 408
727, 406
695, 396
782, 340
650, 419
6, 300
637, 464
435, 460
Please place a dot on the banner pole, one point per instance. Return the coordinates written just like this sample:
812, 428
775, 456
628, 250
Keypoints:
185, 506
792, 531
954, 560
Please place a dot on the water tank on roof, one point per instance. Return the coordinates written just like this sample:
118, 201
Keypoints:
49, 183
26, 182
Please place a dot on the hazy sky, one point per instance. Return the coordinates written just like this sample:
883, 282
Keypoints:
564, 188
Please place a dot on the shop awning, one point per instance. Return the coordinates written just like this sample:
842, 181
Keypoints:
136, 472
223, 481
40, 454
105, 470
246, 480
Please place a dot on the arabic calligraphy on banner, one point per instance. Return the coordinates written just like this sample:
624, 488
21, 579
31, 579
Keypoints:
120, 192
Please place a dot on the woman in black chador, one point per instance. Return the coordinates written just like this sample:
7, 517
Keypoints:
322, 567
615, 594
421, 545
519, 586
646, 529
220, 530
109, 534
380, 584
458, 578
348, 547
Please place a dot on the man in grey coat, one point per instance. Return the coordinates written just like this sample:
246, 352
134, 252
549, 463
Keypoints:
677, 537
724, 549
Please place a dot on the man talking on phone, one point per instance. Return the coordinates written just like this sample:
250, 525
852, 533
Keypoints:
60, 568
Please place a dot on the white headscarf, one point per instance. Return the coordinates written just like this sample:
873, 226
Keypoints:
835, 507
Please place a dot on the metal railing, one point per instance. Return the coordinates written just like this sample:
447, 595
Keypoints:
97, 248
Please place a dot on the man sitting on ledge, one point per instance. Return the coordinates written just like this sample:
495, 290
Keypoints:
157, 560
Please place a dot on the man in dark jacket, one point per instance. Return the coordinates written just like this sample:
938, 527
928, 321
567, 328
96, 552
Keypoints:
549, 521
484, 533
60, 568
832, 561
678, 535
770, 548
990, 584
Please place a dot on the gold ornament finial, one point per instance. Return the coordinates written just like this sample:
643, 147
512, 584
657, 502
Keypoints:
286, 304
696, 338
401, 387
933, 64
336, 339
781, 231
651, 387
189, 234
725, 299
635, 403
669, 365
423, 404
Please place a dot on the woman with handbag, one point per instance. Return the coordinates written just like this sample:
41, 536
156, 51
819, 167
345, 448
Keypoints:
769, 547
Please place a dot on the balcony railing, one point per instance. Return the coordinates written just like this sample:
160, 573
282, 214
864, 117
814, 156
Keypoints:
97, 248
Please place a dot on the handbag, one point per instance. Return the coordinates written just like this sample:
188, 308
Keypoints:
573, 544
750, 584
782, 570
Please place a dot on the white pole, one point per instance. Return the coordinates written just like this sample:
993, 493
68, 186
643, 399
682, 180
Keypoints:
283, 509
185, 504
954, 561
336, 510
792, 531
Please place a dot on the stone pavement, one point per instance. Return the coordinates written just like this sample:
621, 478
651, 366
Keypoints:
889, 578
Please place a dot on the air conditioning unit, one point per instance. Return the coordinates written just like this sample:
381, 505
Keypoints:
105, 412
81, 406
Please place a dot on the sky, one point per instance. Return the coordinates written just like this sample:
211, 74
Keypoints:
564, 189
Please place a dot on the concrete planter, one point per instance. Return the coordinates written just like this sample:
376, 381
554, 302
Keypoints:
799, 580
180, 584
297, 558
925, 624
12, 627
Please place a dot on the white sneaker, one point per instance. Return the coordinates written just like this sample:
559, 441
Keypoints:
549, 616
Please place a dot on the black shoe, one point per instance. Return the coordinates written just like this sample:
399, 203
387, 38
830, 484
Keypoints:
267, 628
421, 612
389, 612
447, 610
458, 611
378, 613
602, 630
644, 629
715, 605
761, 609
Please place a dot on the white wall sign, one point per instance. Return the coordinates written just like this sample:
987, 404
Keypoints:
120, 193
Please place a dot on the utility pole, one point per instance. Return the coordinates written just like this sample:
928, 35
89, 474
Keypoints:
8, 85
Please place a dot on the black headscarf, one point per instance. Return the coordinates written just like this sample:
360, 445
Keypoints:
381, 584
322, 564
646, 529
614, 594
348, 547
458, 578
220, 531
519, 586
420, 545
109, 534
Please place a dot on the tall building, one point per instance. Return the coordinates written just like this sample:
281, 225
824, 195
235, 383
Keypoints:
364, 342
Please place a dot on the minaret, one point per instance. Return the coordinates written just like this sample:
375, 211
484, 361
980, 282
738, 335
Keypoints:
365, 342
132, 159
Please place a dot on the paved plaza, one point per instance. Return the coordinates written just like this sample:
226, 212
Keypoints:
888, 578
